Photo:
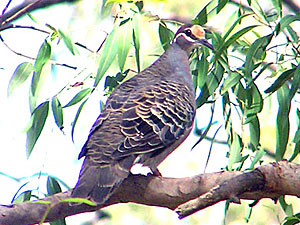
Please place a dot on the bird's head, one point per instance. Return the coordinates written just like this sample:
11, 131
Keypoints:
191, 36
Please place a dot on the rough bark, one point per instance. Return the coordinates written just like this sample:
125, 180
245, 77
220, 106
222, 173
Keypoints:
184, 195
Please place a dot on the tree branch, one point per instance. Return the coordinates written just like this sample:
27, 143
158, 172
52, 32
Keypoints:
26, 7
184, 195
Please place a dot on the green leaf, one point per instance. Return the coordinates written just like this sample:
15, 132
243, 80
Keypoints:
61, 221
253, 102
254, 129
57, 112
237, 35
287, 208
295, 83
76, 118
235, 154
282, 123
68, 42
20, 75
258, 155
42, 58
78, 97
23, 197
230, 81
136, 39
211, 84
221, 5
286, 21
202, 70
256, 52
124, 42
108, 54
296, 139
201, 18
280, 81
53, 186
39, 117
165, 35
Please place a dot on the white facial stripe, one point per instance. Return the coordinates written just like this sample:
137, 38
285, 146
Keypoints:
185, 37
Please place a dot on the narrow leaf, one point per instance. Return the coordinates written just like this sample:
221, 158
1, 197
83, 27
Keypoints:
39, 118
280, 81
230, 81
53, 186
124, 42
282, 123
236, 147
68, 42
221, 5
107, 55
136, 39
201, 18
76, 118
57, 112
165, 35
78, 97
20, 76
42, 58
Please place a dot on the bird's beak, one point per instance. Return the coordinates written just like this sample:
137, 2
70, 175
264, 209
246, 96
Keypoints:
206, 43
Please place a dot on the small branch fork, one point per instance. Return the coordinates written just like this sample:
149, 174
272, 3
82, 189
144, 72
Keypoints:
183, 195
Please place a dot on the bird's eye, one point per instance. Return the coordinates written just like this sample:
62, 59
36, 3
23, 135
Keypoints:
188, 32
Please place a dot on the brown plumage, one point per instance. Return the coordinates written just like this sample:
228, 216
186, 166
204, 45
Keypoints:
144, 120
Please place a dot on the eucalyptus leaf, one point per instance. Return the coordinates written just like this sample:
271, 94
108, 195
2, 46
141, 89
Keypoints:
39, 115
282, 122
107, 54
124, 42
78, 97
20, 75
57, 112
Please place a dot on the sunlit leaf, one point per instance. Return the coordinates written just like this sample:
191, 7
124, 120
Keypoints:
221, 4
108, 53
78, 97
68, 42
201, 17
124, 42
42, 58
57, 112
286, 21
20, 76
38, 121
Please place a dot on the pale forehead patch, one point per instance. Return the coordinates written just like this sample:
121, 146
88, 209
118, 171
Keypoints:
198, 31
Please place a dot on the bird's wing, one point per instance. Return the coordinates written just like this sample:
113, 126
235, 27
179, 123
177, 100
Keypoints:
155, 118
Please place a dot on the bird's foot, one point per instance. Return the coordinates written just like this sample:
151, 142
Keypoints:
155, 172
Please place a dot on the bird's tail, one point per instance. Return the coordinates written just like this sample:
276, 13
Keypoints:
98, 182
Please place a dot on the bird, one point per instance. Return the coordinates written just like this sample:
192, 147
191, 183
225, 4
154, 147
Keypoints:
144, 119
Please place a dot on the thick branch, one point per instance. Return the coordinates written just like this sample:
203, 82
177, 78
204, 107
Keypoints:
269, 181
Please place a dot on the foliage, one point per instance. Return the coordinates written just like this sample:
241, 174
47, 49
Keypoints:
215, 76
